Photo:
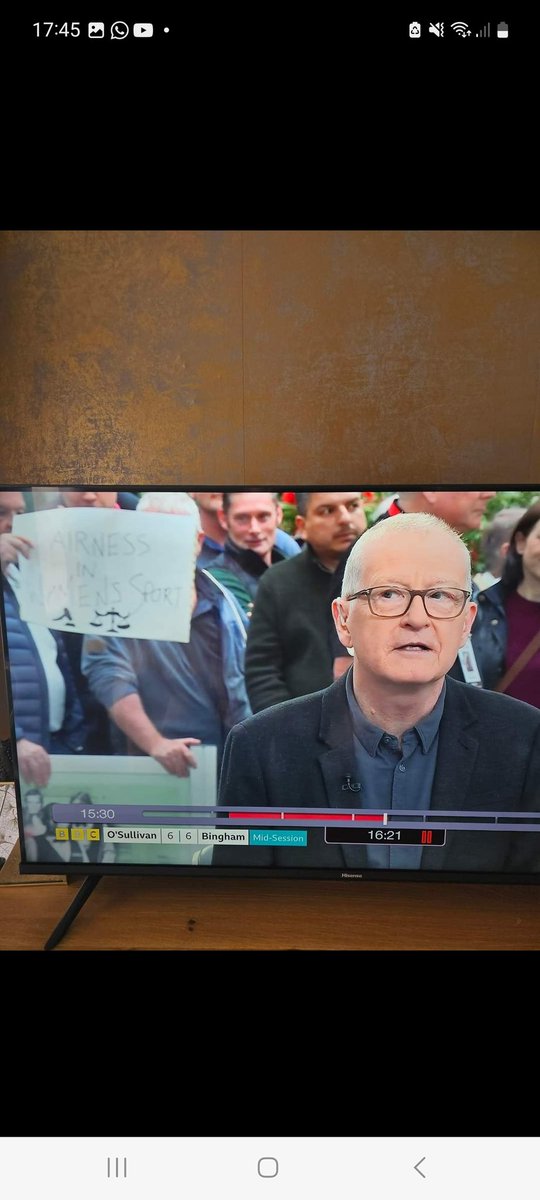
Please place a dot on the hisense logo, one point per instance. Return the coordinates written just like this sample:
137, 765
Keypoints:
344, 875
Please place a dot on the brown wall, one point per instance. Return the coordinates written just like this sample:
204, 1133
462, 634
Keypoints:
271, 357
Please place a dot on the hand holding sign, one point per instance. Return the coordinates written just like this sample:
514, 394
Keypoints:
173, 754
11, 547
34, 762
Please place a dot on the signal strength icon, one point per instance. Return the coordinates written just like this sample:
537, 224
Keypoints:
461, 28
486, 31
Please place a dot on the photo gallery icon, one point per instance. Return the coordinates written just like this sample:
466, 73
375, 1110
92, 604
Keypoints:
96, 29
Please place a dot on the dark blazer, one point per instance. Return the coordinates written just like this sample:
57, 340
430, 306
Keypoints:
299, 754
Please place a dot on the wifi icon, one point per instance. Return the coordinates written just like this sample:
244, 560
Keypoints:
461, 28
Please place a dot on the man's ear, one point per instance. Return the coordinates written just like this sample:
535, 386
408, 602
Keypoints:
468, 622
200, 539
221, 518
299, 523
279, 512
340, 613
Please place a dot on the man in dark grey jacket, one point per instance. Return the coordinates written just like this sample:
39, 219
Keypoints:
288, 650
394, 733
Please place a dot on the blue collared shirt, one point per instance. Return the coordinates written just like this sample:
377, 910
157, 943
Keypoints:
394, 776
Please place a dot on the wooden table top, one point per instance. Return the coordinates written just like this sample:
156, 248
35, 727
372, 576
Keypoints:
126, 913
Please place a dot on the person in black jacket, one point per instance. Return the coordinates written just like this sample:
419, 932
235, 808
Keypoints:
251, 520
288, 650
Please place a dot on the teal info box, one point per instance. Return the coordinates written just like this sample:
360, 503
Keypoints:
278, 837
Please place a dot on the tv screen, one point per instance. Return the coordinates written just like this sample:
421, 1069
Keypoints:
337, 683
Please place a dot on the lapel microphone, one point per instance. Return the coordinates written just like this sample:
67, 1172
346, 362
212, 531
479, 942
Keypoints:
350, 786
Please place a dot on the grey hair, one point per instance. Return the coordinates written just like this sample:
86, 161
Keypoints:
169, 502
417, 522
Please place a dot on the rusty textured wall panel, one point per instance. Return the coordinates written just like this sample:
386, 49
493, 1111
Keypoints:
404, 356
122, 357
369, 356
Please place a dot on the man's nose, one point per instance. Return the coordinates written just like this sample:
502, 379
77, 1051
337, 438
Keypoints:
345, 517
416, 613
90, 497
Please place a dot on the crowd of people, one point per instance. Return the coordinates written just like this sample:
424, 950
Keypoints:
262, 627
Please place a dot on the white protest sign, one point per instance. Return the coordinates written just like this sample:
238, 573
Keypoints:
108, 572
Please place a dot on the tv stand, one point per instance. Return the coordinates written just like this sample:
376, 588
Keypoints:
75, 907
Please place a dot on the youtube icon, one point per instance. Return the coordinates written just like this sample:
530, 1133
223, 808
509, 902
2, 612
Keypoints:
146, 30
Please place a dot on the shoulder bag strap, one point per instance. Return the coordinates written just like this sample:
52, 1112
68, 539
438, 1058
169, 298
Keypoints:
519, 664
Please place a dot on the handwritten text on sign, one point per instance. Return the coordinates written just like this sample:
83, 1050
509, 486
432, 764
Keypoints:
119, 573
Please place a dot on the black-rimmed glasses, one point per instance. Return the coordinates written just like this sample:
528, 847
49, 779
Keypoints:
390, 601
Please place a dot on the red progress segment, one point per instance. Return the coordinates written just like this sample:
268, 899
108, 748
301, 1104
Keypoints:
373, 818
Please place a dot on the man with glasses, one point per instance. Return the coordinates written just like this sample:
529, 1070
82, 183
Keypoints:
395, 733
463, 511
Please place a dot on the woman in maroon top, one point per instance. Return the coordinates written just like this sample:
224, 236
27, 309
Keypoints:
508, 615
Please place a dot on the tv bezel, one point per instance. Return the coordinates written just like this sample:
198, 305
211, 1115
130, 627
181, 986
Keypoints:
332, 874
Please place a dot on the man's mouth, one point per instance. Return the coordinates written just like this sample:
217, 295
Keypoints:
415, 647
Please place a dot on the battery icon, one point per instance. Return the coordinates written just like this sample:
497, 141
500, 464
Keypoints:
502, 29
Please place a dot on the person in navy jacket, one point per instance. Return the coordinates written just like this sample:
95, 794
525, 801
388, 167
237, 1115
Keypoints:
48, 714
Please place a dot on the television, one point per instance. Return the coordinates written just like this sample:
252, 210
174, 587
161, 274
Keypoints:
194, 688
